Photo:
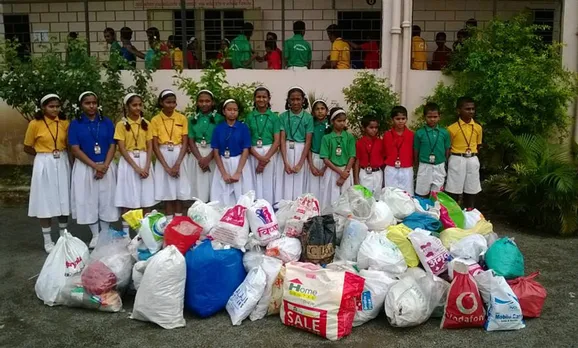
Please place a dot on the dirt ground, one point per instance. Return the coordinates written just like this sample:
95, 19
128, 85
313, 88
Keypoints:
26, 322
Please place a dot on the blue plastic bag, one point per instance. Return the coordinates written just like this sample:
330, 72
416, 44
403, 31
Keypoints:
212, 277
423, 221
505, 259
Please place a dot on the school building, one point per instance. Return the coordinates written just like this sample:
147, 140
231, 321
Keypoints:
388, 22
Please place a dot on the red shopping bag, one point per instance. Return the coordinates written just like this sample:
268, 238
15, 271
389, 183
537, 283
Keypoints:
464, 306
530, 293
183, 233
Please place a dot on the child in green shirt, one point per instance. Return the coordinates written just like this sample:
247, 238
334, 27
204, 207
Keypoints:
316, 165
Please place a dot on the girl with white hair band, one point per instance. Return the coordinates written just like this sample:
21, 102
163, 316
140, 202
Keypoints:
265, 127
338, 153
170, 140
50, 186
231, 143
91, 138
316, 165
135, 184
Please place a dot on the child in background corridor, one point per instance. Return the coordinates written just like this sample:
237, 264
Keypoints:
398, 148
369, 153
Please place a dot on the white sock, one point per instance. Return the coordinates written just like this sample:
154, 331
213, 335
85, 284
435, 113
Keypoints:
94, 229
46, 234
178, 214
125, 228
62, 226
104, 226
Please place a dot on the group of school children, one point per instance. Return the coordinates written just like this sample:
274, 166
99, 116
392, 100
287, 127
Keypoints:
211, 156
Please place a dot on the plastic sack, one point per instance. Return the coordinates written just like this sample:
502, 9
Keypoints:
262, 222
451, 235
423, 221
399, 202
252, 259
356, 202
276, 299
206, 215
67, 259
381, 217
340, 222
305, 207
470, 247
318, 240
377, 284
530, 293
75, 295
433, 255
504, 312
473, 267
212, 277
505, 258
160, 296
183, 233
152, 231
433, 211
233, 227
286, 249
137, 273
454, 211
343, 265
246, 296
379, 253
445, 218
464, 307
283, 211
491, 238
398, 234
321, 301
354, 234
110, 242
406, 304
472, 217
271, 266
433, 286
133, 218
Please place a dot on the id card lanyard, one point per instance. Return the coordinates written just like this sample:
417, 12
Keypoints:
369, 149
468, 142
227, 152
97, 149
398, 148
203, 141
55, 152
171, 146
293, 132
432, 156
260, 131
136, 151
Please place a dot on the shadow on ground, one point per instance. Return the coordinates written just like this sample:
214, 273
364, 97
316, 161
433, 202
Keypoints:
26, 322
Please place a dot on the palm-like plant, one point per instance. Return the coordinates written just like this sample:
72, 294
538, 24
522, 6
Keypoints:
541, 185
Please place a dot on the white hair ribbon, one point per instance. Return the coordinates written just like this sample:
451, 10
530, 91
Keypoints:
337, 113
49, 96
128, 96
83, 94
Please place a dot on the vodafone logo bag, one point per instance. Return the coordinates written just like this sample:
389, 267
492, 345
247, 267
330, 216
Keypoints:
464, 306
321, 301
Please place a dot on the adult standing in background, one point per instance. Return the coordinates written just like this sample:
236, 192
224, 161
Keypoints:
128, 51
297, 50
242, 55
340, 57
418, 49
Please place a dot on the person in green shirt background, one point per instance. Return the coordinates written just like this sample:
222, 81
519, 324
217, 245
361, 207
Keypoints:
316, 165
110, 37
297, 51
200, 163
431, 145
242, 55
338, 154
265, 139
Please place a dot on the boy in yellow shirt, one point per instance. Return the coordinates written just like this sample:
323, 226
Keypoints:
340, 51
418, 49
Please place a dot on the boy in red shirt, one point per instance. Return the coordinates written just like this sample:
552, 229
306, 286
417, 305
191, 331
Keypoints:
398, 150
369, 160
273, 56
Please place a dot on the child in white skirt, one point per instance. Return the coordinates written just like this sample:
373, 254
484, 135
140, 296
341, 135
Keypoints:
369, 151
50, 186
296, 134
338, 154
264, 126
231, 143
170, 140
316, 165
398, 149
200, 163
91, 138
135, 187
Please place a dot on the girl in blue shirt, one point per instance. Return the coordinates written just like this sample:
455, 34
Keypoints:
91, 138
231, 143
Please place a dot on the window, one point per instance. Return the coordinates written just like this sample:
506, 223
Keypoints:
17, 27
360, 27
545, 17
221, 25
178, 25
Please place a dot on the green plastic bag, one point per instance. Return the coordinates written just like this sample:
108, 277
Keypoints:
505, 259
453, 208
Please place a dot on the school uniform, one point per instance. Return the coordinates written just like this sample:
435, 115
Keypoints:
231, 141
463, 164
201, 127
296, 128
398, 150
50, 185
263, 128
431, 145
169, 132
369, 153
339, 149
92, 199
315, 183
132, 191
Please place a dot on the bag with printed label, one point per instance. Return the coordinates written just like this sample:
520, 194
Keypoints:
473, 267
399, 202
531, 294
276, 299
183, 233
262, 222
68, 258
206, 215
286, 249
318, 240
233, 228
377, 284
354, 234
152, 230
304, 208
431, 252
246, 296
321, 301
464, 306
271, 266
379, 253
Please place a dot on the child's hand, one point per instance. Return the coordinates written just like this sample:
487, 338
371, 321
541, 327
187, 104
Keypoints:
297, 168
227, 178
315, 171
344, 174
236, 177
340, 182
288, 168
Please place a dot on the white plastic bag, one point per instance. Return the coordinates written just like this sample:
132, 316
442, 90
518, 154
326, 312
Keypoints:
340, 222
262, 222
431, 252
284, 212
353, 203
286, 249
377, 284
252, 259
207, 215
67, 259
470, 247
471, 218
246, 296
406, 304
343, 265
161, 296
399, 202
379, 253
137, 273
473, 267
354, 234
233, 227
504, 311
152, 230
381, 217
271, 266
305, 207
